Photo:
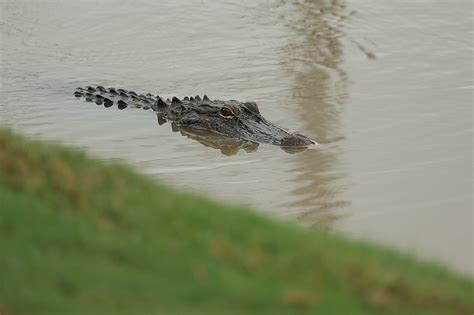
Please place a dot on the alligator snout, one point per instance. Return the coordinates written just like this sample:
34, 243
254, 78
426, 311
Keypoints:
296, 140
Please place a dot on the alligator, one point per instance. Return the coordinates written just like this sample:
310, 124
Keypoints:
216, 123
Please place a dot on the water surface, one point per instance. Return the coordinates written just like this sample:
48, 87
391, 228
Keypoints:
385, 87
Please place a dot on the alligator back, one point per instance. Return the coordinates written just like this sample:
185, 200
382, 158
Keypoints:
118, 97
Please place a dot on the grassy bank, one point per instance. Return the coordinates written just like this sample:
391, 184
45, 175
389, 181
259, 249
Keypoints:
81, 237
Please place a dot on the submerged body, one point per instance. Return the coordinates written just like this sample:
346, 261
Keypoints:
233, 119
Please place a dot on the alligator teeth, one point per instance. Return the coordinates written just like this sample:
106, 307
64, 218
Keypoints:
176, 100
90, 89
205, 98
112, 91
77, 94
132, 93
191, 99
197, 98
186, 98
123, 94
101, 88
121, 91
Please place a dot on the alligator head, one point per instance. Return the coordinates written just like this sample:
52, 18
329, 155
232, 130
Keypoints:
232, 119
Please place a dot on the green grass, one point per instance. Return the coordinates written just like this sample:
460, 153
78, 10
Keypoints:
78, 236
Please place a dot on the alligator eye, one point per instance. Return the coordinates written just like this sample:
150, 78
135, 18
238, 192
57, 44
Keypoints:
226, 112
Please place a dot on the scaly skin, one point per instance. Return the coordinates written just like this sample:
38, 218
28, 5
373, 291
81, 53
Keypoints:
231, 118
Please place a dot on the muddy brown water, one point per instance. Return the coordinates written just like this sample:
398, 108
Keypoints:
385, 87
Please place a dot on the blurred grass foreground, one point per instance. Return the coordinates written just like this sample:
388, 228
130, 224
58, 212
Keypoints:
78, 236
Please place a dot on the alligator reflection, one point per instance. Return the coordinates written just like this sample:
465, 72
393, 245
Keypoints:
226, 145
320, 90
